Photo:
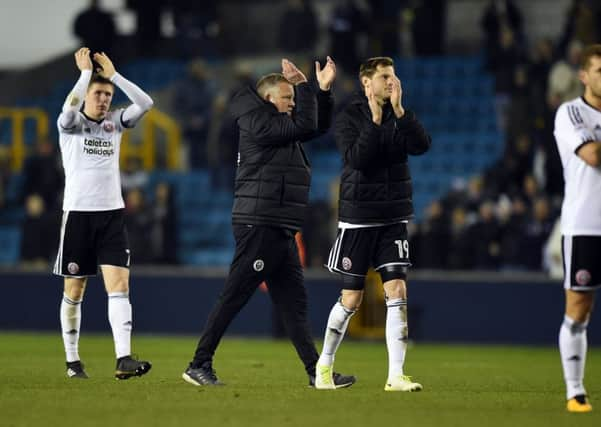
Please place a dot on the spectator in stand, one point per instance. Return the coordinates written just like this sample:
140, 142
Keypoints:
385, 26
561, 84
536, 232
43, 175
460, 255
564, 84
474, 195
538, 72
346, 25
148, 24
513, 224
133, 175
484, 235
530, 190
298, 27
222, 138
520, 119
582, 24
164, 225
434, 238
504, 63
95, 28
500, 15
138, 221
40, 232
193, 100
428, 26
197, 27
507, 174
317, 233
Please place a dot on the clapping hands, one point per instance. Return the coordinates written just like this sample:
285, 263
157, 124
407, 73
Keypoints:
292, 73
325, 77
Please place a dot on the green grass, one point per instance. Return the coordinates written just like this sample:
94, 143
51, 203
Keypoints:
266, 386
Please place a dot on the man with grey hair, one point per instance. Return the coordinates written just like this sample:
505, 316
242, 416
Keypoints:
270, 198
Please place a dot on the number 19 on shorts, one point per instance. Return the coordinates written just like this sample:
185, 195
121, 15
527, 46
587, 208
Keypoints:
403, 246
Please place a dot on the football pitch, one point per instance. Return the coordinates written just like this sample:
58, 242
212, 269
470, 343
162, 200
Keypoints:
266, 386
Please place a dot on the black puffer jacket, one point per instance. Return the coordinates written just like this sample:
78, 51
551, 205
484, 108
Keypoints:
274, 175
375, 185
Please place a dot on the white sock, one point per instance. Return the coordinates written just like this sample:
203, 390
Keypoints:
572, 348
337, 323
70, 313
121, 322
396, 335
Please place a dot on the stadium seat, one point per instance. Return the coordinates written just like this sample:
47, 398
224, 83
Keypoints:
10, 244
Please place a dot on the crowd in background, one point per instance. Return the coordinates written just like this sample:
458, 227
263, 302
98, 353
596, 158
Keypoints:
500, 219
503, 218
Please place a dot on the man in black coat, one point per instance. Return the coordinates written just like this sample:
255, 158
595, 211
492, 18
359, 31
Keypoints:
270, 198
375, 135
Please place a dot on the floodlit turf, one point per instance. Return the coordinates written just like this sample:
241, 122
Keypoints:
266, 386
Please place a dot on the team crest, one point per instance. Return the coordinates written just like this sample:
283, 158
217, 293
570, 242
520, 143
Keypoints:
258, 265
347, 264
108, 127
73, 268
583, 277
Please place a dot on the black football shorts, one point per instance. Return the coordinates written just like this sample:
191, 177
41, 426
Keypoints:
90, 239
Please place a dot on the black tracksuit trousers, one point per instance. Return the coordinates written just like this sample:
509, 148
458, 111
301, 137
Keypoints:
262, 254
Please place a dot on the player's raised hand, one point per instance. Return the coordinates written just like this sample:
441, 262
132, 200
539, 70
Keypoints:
396, 97
397, 91
374, 105
107, 69
325, 77
292, 73
82, 59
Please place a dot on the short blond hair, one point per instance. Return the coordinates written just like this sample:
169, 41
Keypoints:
269, 81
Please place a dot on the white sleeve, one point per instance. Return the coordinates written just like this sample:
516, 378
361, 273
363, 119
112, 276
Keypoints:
570, 129
69, 117
141, 102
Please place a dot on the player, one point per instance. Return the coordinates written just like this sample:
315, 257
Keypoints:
578, 136
375, 134
93, 232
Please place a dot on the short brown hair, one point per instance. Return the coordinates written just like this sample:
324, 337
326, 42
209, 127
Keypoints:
97, 78
268, 81
370, 66
588, 53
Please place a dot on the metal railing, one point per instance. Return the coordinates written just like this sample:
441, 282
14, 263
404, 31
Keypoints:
18, 117
154, 122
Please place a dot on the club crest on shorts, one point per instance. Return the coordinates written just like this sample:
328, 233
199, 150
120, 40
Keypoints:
347, 264
73, 268
258, 265
583, 277
108, 126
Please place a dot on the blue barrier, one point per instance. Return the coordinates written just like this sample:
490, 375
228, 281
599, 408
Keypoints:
439, 310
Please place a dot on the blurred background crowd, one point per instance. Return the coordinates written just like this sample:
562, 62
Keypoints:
485, 78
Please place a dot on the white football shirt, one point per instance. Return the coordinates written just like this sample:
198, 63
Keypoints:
577, 123
90, 153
